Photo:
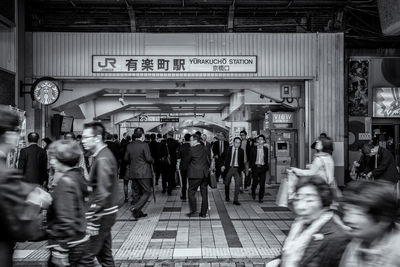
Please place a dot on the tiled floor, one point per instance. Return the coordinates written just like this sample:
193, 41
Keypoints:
246, 235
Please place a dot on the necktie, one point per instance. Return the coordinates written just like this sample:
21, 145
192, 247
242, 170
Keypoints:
221, 147
233, 158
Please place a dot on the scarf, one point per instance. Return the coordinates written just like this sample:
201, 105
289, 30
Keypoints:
297, 241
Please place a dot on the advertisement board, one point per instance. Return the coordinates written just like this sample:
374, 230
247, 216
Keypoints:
386, 102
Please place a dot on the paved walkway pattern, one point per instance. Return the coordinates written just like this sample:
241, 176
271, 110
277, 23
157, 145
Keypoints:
246, 235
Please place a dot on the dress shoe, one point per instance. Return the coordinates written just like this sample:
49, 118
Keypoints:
135, 213
261, 201
191, 214
202, 215
142, 215
183, 198
237, 203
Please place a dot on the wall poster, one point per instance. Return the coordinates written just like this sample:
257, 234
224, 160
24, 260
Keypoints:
358, 87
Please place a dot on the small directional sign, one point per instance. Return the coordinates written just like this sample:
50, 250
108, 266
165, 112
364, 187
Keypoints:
169, 119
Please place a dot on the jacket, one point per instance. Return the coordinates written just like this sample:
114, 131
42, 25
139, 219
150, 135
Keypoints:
104, 180
115, 149
253, 157
240, 157
139, 159
13, 192
66, 216
216, 149
199, 162
322, 166
173, 146
183, 154
155, 150
33, 163
386, 169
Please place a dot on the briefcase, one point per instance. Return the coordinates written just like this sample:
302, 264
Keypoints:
212, 180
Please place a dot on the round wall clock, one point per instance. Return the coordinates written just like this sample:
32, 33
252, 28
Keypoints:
45, 91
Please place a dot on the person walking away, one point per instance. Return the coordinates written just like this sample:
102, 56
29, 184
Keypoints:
21, 202
218, 149
246, 146
234, 163
154, 150
139, 158
104, 205
385, 164
33, 161
316, 237
169, 150
259, 168
67, 238
112, 146
183, 155
370, 214
198, 175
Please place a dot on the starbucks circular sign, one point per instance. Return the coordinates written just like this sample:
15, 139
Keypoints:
45, 91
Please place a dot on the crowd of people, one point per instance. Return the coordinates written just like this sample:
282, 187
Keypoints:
76, 182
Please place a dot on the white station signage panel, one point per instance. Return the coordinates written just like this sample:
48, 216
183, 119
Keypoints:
173, 64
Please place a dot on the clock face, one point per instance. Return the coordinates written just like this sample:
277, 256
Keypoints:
46, 92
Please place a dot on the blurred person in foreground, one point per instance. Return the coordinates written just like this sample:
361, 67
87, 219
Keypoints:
198, 176
370, 213
20, 202
82, 161
103, 177
316, 237
139, 159
33, 161
67, 238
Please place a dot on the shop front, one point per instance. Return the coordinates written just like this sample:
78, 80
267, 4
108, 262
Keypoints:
235, 80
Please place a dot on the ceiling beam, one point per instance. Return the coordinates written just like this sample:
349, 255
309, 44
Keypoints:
231, 16
132, 17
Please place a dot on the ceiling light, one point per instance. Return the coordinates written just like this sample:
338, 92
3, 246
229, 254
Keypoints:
210, 95
110, 94
178, 94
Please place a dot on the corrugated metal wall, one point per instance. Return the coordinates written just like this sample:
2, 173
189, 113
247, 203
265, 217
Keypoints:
7, 50
318, 57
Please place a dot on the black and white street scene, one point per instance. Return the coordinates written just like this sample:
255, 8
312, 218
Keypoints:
200, 133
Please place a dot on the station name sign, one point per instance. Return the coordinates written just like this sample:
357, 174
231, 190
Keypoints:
173, 64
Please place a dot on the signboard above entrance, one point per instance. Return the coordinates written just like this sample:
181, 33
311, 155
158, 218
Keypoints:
173, 64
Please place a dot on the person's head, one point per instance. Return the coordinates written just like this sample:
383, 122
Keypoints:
221, 137
261, 139
159, 136
9, 130
237, 142
366, 149
79, 137
108, 136
374, 146
46, 142
215, 139
204, 137
93, 136
243, 135
128, 138
115, 137
194, 140
153, 137
147, 137
313, 195
323, 135
164, 136
324, 144
187, 137
370, 208
69, 136
138, 134
64, 154
170, 134
124, 135
33, 138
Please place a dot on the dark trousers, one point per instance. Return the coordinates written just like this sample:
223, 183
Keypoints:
193, 186
184, 183
6, 253
157, 170
144, 188
218, 164
134, 190
100, 247
233, 172
259, 174
78, 256
168, 177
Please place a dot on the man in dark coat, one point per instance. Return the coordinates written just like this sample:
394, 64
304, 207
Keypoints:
198, 175
259, 167
139, 158
246, 145
14, 194
385, 164
218, 149
33, 161
183, 154
103, 177
155, 154
114, 147
169, 147
234, 164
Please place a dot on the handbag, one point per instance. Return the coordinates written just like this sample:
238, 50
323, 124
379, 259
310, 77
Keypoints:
212, 180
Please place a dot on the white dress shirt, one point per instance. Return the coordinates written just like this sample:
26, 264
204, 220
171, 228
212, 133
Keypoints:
234, 161
260, 156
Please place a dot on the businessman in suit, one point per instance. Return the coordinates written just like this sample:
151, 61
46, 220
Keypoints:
234, 164
259, 167
139, 158
33, 161
198, 175
218, 149
183, 154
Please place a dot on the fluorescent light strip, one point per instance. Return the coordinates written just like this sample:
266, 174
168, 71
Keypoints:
124, 94
210, 95
180, 94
